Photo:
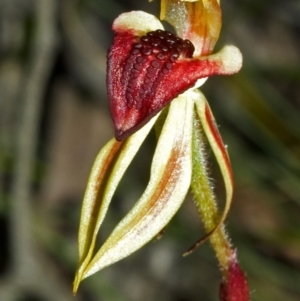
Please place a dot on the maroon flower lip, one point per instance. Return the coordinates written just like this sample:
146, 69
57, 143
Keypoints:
148, 62
137, 81
145, 72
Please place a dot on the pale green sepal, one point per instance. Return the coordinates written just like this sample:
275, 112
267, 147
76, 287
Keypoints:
169, 182
106, 173
219, 150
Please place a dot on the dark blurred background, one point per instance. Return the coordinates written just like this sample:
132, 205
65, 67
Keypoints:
54, 118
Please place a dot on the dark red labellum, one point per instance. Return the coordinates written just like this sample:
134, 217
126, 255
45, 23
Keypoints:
145, 73
148, 62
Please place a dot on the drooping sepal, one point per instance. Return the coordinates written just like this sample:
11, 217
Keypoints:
203, 194
108, 170
169, 182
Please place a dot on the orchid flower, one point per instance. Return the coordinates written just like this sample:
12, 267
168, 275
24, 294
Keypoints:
151, 70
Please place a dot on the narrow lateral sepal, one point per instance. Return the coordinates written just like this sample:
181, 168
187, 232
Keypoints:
169, 182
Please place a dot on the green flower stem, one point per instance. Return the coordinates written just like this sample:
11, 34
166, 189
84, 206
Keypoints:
205, 200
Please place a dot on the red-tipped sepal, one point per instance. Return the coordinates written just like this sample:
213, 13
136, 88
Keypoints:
235, 286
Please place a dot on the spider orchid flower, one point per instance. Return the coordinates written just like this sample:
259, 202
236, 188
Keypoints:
150, 69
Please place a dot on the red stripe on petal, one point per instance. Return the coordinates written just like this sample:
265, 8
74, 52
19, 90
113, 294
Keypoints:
214, 130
